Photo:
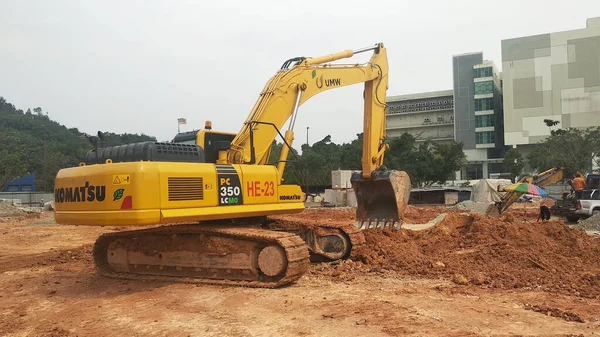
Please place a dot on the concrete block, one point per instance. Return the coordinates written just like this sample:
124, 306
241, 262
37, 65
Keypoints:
451, 198
351, 198
335, 197
341, 198
340, 179
329, 196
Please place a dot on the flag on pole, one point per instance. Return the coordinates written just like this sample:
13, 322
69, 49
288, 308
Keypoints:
181, 121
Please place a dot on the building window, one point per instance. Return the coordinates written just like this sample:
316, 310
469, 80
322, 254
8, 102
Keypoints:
474, 171
482, 72
483, 104
486, 87
486, 137
484, 121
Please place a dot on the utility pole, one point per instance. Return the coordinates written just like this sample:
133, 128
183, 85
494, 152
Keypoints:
44, 156
307, 136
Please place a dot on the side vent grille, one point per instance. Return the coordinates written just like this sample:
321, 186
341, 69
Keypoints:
184, 189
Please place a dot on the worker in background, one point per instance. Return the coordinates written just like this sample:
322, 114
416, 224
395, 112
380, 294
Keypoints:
578, 186
545, 205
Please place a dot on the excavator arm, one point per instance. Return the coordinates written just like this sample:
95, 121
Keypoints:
295, 84
382, 195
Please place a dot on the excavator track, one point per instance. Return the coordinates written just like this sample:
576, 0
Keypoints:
326, 242
219, 255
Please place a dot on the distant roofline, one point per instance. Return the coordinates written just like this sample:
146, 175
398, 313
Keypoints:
552, 32
470, 53
419, 95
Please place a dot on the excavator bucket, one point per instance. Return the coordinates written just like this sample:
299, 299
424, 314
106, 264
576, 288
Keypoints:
382, 199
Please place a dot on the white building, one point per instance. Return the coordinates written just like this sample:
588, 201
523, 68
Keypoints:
552, 76
428, 115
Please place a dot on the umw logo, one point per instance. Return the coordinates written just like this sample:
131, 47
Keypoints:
330, 82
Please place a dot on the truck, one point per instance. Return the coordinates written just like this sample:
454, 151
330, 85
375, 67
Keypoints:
589, 204
573, 209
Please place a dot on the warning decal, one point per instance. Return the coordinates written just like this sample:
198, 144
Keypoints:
121, 179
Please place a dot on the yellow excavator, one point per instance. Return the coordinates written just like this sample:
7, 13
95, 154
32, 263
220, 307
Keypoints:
206, 202
543, 179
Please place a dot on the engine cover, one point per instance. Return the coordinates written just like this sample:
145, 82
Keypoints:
147, 151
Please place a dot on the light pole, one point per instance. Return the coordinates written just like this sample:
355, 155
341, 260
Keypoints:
307, 136
44, 155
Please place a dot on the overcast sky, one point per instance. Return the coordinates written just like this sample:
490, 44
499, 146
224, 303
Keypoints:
136, 66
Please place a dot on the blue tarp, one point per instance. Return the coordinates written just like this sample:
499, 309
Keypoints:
24, 184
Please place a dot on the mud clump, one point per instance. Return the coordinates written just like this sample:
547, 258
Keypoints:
554, 312
490, 252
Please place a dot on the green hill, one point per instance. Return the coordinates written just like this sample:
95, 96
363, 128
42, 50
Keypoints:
30, 142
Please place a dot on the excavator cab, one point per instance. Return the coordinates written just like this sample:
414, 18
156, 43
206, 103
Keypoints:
211, 142
381, 199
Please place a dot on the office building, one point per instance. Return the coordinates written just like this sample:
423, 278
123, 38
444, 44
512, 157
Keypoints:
427, 115
478, 115
552, 76
470, 113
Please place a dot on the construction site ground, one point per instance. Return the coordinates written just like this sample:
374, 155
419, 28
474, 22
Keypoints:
466, 275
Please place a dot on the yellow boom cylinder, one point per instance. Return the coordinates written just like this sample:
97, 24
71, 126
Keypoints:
329, 58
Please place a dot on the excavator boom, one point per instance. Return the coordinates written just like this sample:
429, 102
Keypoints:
382, 195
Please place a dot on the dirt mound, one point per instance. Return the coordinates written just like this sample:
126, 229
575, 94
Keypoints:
412, 215
497, 253
421, 215
9, 210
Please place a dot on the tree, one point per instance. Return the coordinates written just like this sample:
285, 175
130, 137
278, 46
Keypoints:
11, 167
514, 162
447, 159
571, 148
426, 163
351, 154
291, 162
26, 136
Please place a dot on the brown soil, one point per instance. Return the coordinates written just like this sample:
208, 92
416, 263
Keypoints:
493, 253
412, 215
49, 287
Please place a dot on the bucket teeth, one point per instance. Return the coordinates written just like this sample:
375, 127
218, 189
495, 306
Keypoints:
379, 224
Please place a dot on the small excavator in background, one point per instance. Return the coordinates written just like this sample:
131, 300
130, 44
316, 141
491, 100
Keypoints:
542, 180
211, 196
